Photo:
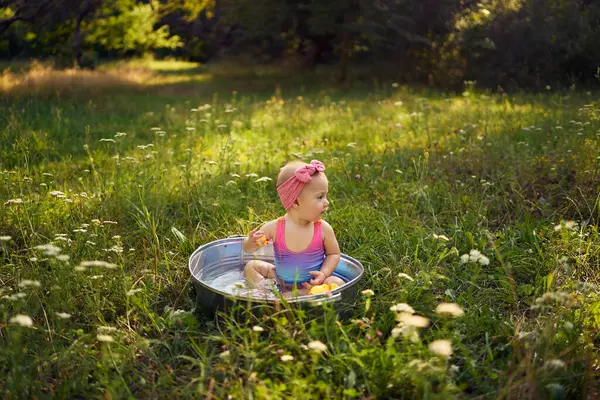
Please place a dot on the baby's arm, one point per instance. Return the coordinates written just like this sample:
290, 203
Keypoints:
332, 255
250, 244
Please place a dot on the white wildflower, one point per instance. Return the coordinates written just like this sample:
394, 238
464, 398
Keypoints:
405, 276
63, 315
566, 225
396, 332
49, 249
110, 140
417, 321
408, 331
105, 338
133, 292
317, 346
258, 328
263, 179
62, 257
5, 238
368, 292
449, 308
441, 237
23, 320
442, 347
286, 357
402, 308
13, 202
224, 354
115, 249
351, 144
106, 329
27, 282
474, 254
97, 263
555, 363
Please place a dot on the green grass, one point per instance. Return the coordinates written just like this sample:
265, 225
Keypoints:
490, 171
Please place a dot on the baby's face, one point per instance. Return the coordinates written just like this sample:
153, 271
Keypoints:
312, 202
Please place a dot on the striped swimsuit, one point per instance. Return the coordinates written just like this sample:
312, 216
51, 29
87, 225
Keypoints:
291, 266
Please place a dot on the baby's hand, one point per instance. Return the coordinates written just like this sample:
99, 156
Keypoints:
258, 238
318, 279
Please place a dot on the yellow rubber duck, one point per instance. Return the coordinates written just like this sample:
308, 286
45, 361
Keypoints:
318, 289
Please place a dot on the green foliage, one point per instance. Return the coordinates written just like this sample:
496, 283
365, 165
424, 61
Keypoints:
527, 43
131, 29
508, 43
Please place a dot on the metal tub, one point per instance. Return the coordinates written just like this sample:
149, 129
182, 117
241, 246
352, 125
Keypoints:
222, 256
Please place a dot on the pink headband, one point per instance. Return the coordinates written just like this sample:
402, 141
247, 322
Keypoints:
290, 189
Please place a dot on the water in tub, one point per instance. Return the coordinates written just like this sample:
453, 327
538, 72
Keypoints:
233, 282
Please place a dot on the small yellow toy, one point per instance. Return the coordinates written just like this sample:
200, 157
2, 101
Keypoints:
263, 241
323, 288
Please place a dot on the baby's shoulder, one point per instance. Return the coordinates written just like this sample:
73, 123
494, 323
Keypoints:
325, 226
270, 228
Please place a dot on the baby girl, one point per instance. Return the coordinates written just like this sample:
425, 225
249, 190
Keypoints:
306, 250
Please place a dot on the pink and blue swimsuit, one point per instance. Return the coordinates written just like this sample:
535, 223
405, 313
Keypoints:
293, 267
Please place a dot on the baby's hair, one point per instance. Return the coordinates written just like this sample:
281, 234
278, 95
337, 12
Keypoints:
288, 170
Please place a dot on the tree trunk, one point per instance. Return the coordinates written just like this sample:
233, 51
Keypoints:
344, 50
77, 36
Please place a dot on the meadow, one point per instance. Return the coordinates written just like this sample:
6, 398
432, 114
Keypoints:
475, 215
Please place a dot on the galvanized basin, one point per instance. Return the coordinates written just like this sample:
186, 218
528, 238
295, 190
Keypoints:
222, 256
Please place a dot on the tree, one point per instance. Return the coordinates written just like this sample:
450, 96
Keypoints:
315, 28
129, 27
123, 26
22, 10
47, 14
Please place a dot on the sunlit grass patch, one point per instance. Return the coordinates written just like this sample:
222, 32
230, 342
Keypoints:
45, 81
151, 64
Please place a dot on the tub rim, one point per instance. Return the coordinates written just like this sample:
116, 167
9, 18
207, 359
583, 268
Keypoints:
331, 296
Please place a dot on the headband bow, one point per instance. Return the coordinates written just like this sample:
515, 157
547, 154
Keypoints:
304, 174
290, 190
